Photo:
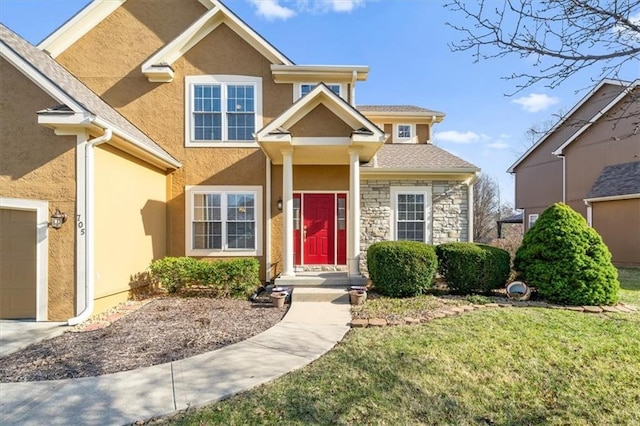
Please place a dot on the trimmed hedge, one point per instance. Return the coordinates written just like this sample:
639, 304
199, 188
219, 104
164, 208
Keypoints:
566, 260
235, 278
401, 268
468, 267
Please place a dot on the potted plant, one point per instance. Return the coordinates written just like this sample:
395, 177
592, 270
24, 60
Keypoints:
277, 299
357, 297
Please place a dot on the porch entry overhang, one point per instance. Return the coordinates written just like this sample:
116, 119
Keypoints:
321, 129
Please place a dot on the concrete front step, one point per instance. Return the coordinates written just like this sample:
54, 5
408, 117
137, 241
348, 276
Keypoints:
316, 294
323, 279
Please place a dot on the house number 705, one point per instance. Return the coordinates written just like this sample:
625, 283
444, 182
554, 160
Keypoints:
80, 224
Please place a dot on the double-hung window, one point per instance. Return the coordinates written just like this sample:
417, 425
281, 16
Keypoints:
222, 110
411, 213
224, 221
404, 133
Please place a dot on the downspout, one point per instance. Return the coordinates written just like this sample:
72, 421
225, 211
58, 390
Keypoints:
589, 213
564, 178
89, 236
354, 77
470, 183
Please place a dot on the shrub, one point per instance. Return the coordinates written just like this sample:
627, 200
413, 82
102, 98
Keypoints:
235, 278
468, 267
401, 268
566, 260
174, 272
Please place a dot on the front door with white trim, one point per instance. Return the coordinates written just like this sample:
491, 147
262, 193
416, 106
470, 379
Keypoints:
319, 229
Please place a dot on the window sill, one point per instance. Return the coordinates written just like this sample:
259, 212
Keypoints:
209, 253
233, 144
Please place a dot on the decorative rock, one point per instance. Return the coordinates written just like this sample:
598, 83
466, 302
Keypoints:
505, 305
359, 323
377, 322
412, 321
611, 309
113, 317
395, 322
457, 309
479, 306
623, 309
438, 315
593, 309
492, 305
467, 308
574, 308
631, 307
449, 313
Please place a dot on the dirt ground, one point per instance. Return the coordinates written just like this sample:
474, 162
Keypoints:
164, 329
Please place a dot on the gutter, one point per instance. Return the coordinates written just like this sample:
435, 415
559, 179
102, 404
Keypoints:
90, 231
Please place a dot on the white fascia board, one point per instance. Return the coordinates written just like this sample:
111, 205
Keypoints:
588, 96
72, 30
39, 79
376, 170
612, 198
295, 73
397, 115
595, 118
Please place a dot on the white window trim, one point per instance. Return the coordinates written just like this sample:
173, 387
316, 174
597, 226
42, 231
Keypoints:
297, 88
427, 191
191, 190
411, 139
190, 81
531, 219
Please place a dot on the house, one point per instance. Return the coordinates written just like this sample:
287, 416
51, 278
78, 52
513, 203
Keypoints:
589, 160
175, 129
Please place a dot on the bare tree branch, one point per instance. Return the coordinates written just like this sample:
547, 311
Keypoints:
562, 36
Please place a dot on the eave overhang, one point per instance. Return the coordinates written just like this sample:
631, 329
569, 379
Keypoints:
326, 73
414, 117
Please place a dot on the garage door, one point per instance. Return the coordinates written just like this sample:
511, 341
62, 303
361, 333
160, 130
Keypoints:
18, 230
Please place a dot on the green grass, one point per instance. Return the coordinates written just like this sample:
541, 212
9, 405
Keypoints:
629, 285
496, 366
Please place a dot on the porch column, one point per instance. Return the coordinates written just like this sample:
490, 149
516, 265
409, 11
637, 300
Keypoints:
354, 212
287, 201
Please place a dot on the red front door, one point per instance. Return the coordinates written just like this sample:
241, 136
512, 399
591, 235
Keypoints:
318, 232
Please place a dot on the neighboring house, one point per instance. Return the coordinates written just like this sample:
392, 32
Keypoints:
589, 161
220, 147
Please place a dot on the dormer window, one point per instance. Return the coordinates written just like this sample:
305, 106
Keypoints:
222, 110
404, 133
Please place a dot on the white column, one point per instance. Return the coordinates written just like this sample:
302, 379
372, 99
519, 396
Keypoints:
287, 202
354, 212
470, 211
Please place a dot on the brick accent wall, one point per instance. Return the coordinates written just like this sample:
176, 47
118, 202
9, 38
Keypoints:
449, 212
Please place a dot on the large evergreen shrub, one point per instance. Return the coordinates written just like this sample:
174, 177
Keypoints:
468, 267
566, 260
401, 268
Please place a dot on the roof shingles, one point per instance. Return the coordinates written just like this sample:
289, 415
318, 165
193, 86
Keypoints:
422, 157
617, 180
408, 109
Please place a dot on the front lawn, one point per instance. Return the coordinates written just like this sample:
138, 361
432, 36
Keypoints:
629, 285
495, 366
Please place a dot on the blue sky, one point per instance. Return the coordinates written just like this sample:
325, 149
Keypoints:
405, 44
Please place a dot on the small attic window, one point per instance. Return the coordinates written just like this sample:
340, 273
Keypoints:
301, 89
404, 133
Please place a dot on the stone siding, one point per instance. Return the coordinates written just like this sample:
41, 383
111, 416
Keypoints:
448, 218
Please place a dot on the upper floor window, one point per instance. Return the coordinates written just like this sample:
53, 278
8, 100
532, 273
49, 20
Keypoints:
532, 220
222, 109
301, 89
404, 133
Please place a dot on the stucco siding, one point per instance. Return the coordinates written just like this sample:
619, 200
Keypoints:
321, 122
618, 223
130, 222
35, 164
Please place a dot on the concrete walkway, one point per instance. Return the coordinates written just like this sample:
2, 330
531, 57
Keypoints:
16, 335
309, 330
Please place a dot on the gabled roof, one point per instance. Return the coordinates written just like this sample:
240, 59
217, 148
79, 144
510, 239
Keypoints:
418, 158
74, 97
158, 67
596, 117
321, 94
616, 181
565, 119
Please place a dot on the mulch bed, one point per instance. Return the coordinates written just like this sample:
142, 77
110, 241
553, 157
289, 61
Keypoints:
164, 329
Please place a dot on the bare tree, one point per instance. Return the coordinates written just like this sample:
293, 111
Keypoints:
486, 208
562, 36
